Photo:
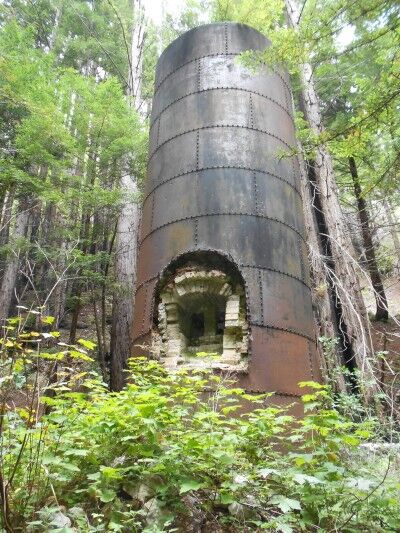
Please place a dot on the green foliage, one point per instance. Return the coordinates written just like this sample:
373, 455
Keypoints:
173, 444
68, 134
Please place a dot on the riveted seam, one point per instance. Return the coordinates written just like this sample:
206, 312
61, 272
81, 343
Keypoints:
211, 126
201, 215
217, 54
199, 91
216, 167
281, 328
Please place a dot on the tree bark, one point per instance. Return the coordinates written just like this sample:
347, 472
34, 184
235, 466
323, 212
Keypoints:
11, 267
76, 292
392, 228
59, 289
340, 267
127, 228
322, 293
372, 265
6, 216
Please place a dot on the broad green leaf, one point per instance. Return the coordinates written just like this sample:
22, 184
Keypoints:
305, 478
107, 495
285, 504
190, 484
226, 498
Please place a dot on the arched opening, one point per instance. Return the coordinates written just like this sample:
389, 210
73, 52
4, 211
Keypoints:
201, 310
196, 327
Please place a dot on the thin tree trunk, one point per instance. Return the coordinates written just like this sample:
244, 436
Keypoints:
11, 267
392, 228
372, 265
43, 275
341, 265
127, 228
6, 217
125, 273
77, 289
60, 290
322, 293
100, 339
59, 295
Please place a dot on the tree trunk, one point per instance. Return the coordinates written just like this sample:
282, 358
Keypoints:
127, 228
77, 289
393, 225
6, 216
125, 273
11, 267
372, 265
322, 292
58, 293
340, 267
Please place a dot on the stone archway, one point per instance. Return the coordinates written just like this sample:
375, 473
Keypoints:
201, 312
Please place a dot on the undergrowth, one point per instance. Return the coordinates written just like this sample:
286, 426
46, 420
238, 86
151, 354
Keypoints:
174, 452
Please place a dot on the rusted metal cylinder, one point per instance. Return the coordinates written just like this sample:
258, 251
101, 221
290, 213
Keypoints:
220, 181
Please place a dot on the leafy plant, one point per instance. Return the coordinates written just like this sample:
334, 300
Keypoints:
171, 449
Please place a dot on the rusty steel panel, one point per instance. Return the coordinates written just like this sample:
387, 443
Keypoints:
212, 108
244, 191
213, 72
195, 150
160, 247
286, 303
279, 361
252, 240
222, 178
275, 199
207, 40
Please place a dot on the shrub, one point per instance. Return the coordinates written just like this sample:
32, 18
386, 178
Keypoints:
168, 453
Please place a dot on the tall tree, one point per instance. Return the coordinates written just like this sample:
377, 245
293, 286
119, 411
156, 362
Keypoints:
382, 312
350, 313
128, 220
65, 119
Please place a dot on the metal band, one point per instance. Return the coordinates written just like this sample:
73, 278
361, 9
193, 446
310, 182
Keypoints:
255, 191
201, 215
219, 89
260, 294
217, 54
211, 126
281, 328
276, 271
197, 149
198, 83
281, 178
148, 280
196, 231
